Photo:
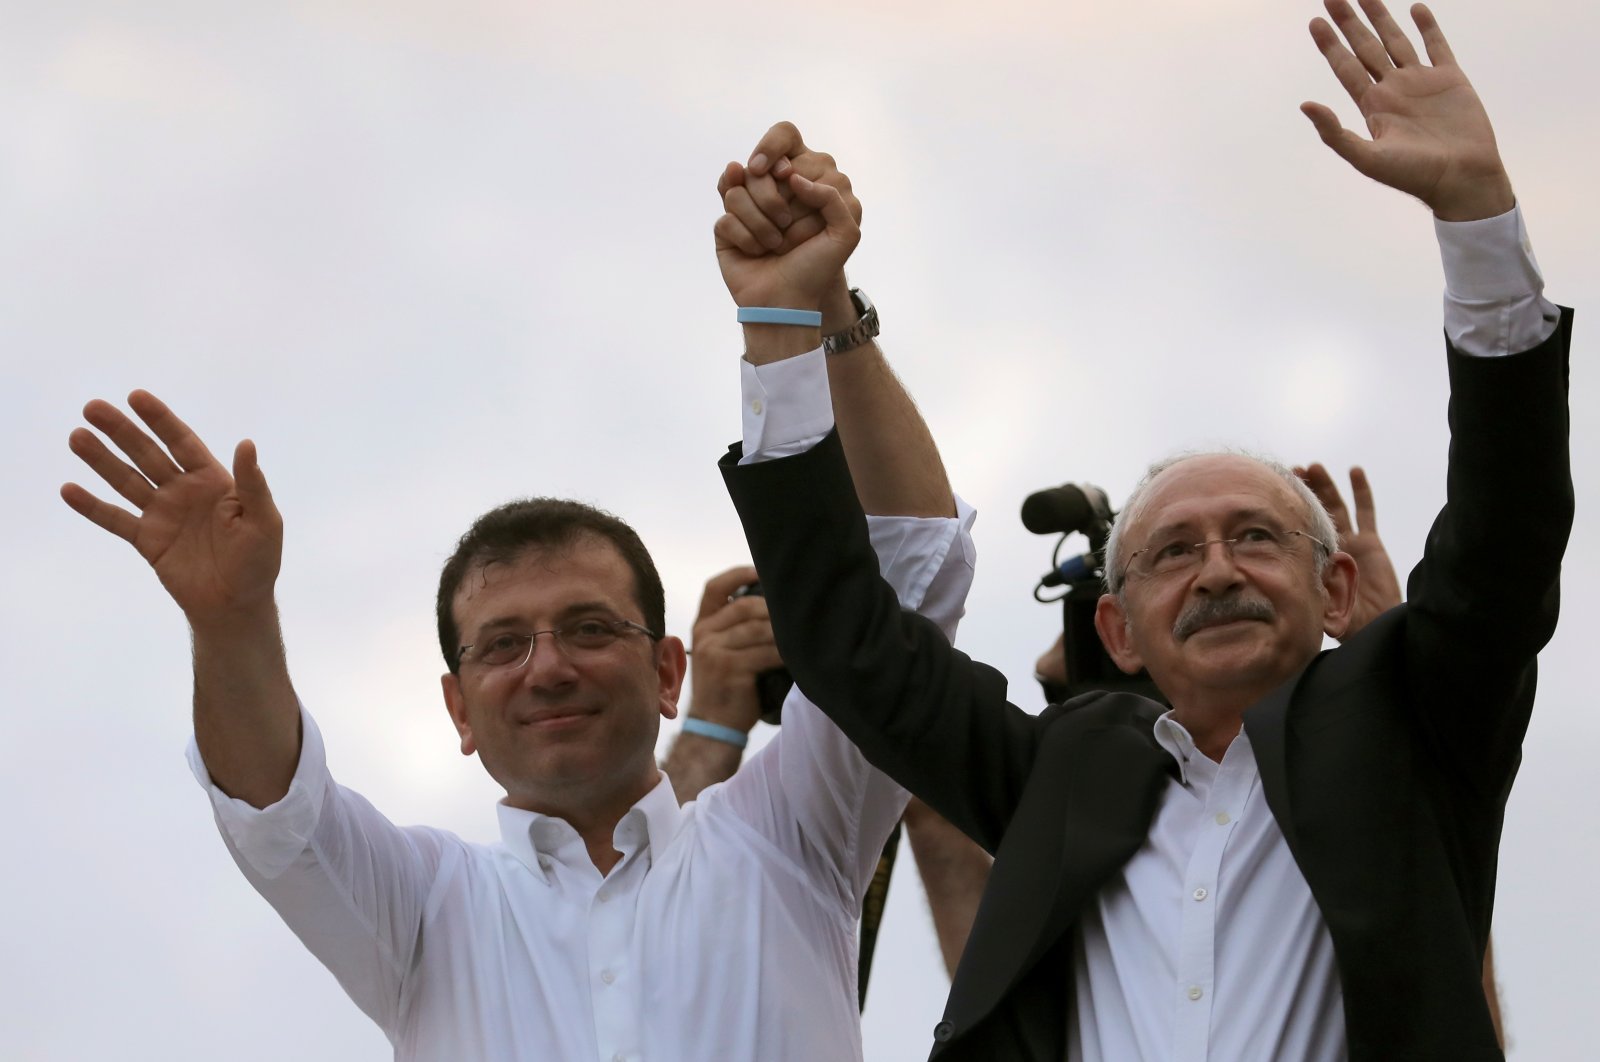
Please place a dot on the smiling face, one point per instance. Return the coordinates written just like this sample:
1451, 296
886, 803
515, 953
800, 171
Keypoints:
569, 732
1231, 629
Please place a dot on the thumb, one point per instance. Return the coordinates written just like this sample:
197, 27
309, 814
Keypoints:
1345, 144
249, 480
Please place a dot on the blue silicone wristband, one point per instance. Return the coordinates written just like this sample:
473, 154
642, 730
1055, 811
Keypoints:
715, 731
780, 316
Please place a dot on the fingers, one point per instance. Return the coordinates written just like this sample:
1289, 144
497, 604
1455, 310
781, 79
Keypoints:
1361, 491
1393, 37
820, 167
1366, 45
742, 206
769, 196
746, 615
754, 660
830, 202
1439, 53
731, 232
1345, 66
1322, 485
118, 521
142, 450
720, 587
748, 634
185, 445
777, 146
117, 473
732, 177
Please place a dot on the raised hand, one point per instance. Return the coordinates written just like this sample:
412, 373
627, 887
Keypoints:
1378, 588
789, 224
1431, 137
215, 540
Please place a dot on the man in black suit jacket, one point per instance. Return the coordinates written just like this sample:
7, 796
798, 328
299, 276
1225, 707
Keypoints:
1362, 788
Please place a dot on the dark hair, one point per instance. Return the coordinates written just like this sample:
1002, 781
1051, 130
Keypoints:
505, 533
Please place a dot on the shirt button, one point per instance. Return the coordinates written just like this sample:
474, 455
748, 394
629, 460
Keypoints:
943, 1031
1200, 894
755, 406
602, 896
1222, 818
607, 976
619, 1057
1195, 992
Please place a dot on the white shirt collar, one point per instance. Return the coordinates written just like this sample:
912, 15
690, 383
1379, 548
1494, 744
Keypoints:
1176, 739
537, 840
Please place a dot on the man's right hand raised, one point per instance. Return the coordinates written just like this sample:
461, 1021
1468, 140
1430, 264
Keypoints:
215, 540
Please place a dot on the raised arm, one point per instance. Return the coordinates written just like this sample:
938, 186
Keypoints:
215, 540
1473, 632
791, 220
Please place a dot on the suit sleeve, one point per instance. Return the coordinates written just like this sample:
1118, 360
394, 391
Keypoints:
1485, 597
918, 709
809, 791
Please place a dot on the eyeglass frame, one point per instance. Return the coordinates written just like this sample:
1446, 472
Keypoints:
565, 649
1228, 545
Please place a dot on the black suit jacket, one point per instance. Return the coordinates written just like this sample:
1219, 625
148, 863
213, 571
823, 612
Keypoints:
1386, 762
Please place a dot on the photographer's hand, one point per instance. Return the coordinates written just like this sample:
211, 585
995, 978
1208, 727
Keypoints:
1378, 587
732, 644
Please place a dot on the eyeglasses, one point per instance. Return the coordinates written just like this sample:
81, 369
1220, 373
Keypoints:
512, 649
1256, 544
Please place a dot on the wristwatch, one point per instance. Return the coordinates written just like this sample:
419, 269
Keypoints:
865, 328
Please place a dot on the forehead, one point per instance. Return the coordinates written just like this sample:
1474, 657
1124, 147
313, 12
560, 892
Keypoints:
1211, 488
541, 583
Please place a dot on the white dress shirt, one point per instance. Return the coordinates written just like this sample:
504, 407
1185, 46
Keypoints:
726, 933
1208, 944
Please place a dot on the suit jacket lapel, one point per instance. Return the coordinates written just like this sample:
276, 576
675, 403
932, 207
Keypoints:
1087, 808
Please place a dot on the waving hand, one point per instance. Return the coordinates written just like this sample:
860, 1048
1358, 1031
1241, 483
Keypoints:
1431, 137
214, 539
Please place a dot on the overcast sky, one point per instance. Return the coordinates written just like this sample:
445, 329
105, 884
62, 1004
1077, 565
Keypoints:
431, 256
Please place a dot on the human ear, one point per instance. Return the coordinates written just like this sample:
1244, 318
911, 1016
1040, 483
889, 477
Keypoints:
1116, 634
456, 705
1339, 578
672, 663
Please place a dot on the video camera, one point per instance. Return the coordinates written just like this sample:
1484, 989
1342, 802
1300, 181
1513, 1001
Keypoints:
1067, 510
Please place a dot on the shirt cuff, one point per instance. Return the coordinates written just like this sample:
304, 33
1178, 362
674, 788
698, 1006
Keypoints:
928, 561
270, 839
787, 406
1492, 301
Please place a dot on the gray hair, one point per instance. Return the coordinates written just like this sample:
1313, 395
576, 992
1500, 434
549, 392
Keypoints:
1321, 528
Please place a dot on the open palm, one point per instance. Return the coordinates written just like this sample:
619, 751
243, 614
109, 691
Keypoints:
214, 539
1431, 136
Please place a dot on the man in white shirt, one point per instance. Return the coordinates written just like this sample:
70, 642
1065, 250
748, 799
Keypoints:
1298, 860
609, 923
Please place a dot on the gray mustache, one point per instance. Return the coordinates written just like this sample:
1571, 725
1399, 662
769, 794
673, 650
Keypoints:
1213, 610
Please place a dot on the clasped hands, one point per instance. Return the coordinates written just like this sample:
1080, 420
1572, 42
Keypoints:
790, 221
